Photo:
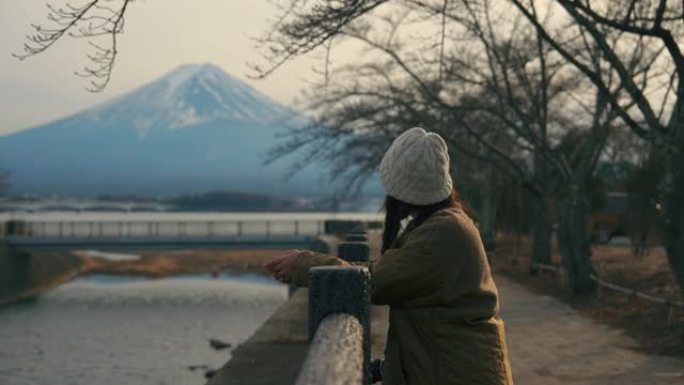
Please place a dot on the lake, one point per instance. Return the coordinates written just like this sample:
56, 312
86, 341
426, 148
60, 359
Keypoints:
113, 330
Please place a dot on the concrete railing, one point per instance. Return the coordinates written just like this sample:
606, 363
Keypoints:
339, 322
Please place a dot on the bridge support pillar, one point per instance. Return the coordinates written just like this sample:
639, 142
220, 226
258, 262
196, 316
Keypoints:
14, 269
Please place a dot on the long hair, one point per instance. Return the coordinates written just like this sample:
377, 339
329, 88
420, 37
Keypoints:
396, 211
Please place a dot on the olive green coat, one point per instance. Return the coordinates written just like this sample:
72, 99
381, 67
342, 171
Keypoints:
443, 302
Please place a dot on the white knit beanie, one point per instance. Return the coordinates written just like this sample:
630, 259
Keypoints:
415, 169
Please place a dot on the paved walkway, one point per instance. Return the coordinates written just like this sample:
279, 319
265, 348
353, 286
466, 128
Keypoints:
550, 343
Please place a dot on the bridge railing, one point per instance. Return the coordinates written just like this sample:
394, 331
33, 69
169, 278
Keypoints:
162, 229
108, 229
339, 321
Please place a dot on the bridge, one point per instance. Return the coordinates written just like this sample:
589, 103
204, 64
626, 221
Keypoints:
128, 231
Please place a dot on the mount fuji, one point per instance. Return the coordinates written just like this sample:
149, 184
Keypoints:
193, 130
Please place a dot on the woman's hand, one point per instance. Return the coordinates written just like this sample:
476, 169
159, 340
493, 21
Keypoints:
281, 266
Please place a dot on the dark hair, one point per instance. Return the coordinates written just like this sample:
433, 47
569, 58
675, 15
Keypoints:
396, 211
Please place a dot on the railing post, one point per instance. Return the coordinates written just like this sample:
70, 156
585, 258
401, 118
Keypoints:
341, 289
14, 227
353, 251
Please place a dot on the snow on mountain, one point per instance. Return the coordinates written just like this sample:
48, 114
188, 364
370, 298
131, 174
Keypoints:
190, 95
195, 129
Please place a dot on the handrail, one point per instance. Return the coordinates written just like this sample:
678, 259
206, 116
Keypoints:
336, 353
339, 322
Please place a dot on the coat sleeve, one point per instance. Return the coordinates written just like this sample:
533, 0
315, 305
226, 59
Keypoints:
406, 273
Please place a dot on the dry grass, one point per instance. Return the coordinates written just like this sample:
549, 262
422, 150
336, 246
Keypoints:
47, 270
176, 262
657, 328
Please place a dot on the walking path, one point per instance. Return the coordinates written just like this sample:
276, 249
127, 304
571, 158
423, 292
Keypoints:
550, 343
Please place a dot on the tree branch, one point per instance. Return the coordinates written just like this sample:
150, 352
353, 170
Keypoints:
90, 21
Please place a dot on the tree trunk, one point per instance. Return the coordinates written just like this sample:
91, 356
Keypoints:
673, 214
573, 243
488, 213
541, 235
541, 219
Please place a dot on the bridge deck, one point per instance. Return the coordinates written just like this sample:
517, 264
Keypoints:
245, 241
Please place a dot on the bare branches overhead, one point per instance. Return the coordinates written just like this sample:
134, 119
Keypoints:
303, 27
99, 21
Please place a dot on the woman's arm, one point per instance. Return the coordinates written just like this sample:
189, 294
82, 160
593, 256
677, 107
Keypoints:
308, 259
399, 276
294, 266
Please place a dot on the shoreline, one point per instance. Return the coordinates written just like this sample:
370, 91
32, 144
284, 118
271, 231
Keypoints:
167, 263
64, 267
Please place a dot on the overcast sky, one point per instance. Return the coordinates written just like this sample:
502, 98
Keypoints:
159, 36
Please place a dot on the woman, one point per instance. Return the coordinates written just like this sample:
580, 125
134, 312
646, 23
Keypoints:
434, 276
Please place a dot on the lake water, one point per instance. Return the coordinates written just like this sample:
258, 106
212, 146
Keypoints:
131, 331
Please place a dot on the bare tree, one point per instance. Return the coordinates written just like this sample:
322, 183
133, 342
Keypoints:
486, 80
658, 116
489, 81
99, 21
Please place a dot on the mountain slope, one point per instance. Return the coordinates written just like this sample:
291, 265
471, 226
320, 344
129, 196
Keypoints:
195, 129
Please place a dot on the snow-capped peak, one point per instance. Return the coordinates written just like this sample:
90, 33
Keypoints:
193, 94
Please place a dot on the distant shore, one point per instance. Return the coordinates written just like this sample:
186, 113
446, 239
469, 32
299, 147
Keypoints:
157, 264
47, 271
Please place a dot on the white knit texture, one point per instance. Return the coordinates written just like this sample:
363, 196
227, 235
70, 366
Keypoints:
415, 169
